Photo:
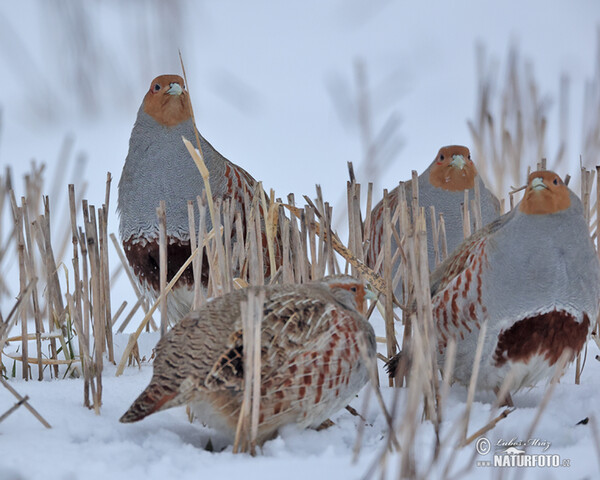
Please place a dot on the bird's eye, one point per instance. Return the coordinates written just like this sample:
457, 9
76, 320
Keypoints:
441, 157
156, 87
555, 181
469, 157
353, 289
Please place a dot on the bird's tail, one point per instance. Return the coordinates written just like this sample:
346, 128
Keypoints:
150, 400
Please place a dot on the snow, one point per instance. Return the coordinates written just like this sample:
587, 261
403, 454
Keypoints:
165, 445
273, 88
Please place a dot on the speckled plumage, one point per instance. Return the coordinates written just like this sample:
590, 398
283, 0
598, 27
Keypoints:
534, 275
446, 194
159, 167
311, 364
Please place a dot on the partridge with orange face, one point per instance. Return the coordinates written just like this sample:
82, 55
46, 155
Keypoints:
442, 185
159, 167
534, 276
314, 342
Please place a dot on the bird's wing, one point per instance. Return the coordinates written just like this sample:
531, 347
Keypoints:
457, 301
289, 321
296, 333
376, 233
462, 257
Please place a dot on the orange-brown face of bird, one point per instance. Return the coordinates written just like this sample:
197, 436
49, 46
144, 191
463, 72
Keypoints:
167, 100
357, 289
453, 169
545, 193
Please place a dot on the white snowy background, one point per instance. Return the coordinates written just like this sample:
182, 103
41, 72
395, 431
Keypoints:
274, 89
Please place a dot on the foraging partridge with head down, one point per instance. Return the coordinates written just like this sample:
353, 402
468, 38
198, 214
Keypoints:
312, 362
442, 185
534, 275
159, 167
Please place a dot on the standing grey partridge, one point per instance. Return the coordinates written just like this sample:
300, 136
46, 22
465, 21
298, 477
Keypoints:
442, 185
534, 275
159, 167
311, 359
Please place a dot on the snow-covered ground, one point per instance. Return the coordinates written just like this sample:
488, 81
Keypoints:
165, 445
273, 85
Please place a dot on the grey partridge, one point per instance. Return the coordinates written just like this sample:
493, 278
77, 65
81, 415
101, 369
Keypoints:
159, 167
442, 185
534, 276
312, 362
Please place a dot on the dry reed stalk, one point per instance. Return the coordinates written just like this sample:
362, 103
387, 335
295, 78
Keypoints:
12, 409
587, 183
105, 282
257, 270
368, 214
7, 325
288, 270
27, 405
201, 242
118, 313
162, 252
64, 244
420, 273
371, 366
312, 244
298, 262
84, 352
476, 205
435, 235
103, 243
141, 298
84, 331
228, 219
473, 381
54, 304
98, 331
374, 279
129, 316
239, 249
442, 234
423, 298
466, 216
22, 284
197, 262
489, 426
33, 336
351, 219
247, 427
361, 426
224, 280
447, 371
32, 274
197, 154
387, 276
304, 246
134, 336
409, 422
332, 260
270, 218
45, 361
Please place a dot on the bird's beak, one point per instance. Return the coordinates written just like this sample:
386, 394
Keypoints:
370, 294
175, 89
538, 183
458, 161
